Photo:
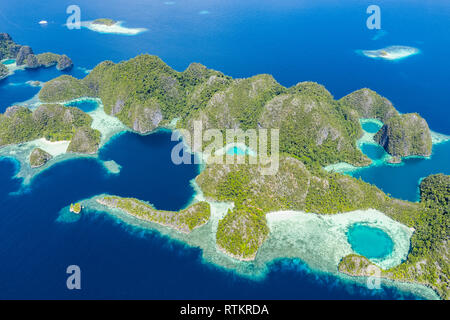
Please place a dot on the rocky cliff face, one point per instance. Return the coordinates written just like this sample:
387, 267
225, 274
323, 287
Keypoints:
8, 49
64, 63
32, 62
405, 135
23, 54
3, 71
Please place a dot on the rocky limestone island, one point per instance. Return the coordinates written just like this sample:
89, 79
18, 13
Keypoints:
64, 63
24, 55
184, 221
405, 135
4, 72
76, 208
39, 157
53, 122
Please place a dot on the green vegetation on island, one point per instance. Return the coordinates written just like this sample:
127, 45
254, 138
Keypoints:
104, 21
85, 140
8, 48
428, 260
75, 208
358, 266
405, 135
145, 93
63, 88
184, 220
3, 71
49, 59
242, 231
370, 104
293, 187
50, 121
315, 130
39, 157
402, 134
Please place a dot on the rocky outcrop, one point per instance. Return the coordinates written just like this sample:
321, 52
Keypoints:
147, 119
48, 59
405, 135
32, 62
370, 104
64, 63
3, 71
39, 157
358, 266
8, 49
23, 54
85, 140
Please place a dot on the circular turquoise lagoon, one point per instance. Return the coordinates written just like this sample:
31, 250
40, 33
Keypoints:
369, 241
371, 127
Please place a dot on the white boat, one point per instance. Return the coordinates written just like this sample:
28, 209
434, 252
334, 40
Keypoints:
43, 22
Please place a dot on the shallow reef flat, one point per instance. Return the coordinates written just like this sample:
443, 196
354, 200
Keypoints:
116, 28
391, 52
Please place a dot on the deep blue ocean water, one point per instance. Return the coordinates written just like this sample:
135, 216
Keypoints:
293, 41
369, 241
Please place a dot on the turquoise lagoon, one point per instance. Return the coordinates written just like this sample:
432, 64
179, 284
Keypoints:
399, 180
369, 241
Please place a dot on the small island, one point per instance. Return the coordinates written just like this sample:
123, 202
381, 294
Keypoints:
391, 53
104, 21
25, 57
76, 208
106, 25
39, 157
53, 122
